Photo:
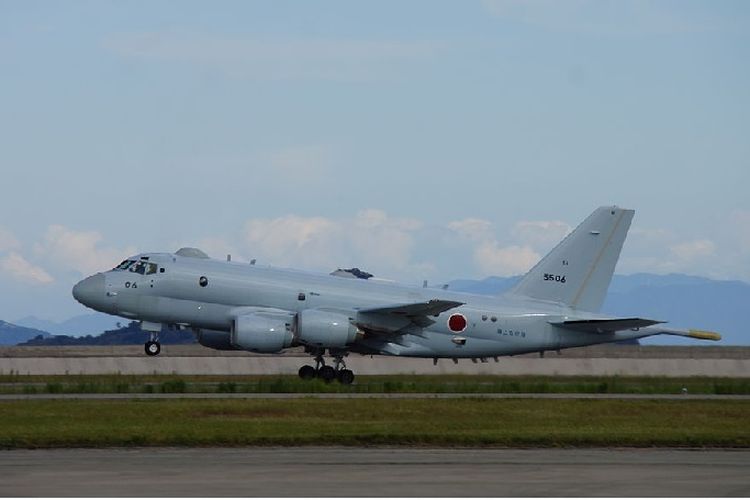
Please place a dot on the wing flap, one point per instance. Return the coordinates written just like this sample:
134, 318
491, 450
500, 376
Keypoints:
606, 325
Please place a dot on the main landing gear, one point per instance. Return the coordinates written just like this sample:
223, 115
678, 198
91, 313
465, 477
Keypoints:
328, 373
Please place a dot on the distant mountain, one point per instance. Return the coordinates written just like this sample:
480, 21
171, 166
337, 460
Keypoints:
685, 301
131, 334
719, 306
11, 334
84, 324
623, 284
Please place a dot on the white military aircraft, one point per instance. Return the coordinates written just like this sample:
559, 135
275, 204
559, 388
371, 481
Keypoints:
230, 305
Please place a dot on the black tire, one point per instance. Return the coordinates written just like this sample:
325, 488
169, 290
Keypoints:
152, 348
327, 373
307, 372
346, 377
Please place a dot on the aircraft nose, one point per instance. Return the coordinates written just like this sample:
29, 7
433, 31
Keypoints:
89, 290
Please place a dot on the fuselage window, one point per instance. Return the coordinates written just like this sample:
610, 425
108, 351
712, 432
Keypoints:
493, 319
161, 269
203, 281
301, 296
484, 317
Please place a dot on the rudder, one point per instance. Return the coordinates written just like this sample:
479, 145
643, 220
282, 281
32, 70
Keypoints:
577, 272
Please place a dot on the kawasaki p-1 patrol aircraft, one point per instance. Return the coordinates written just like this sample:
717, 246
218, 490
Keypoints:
230, 305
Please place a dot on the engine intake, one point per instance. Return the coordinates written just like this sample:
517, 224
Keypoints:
265, 332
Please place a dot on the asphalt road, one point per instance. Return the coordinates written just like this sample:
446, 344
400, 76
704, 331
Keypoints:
386, 395
374, 472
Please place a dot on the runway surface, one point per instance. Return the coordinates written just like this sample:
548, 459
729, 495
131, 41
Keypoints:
386, 395
603, 360
374, 472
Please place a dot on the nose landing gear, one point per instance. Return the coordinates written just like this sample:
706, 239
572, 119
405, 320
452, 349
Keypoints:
153, 347
326, 372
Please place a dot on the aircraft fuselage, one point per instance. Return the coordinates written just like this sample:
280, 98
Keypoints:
495, 326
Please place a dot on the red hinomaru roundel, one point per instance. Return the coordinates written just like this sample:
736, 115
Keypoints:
457, 322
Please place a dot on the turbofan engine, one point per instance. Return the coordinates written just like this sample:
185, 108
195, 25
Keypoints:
263, 331
325, 328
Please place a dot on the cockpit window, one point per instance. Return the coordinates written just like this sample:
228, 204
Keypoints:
138, 266
124, 265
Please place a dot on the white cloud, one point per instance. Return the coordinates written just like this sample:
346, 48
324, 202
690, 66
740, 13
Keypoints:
280, 58
473, 229
504, 261
80, 250
292, 240
543, 233
7, 240
22, 270
383, 241
371, 239
691, 250
662, 251
215, 247
517, 256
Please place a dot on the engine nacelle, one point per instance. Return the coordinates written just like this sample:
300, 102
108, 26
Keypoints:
264, 331
216, 339
325, 329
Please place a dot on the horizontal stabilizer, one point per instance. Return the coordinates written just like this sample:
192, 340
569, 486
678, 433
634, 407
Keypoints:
606, 325
429, 308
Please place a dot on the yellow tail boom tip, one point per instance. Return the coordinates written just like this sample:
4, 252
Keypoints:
704, 335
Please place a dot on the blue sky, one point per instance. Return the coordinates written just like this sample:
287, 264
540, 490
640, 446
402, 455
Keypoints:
419, 140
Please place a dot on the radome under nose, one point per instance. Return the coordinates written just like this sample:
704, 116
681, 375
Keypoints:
90, 291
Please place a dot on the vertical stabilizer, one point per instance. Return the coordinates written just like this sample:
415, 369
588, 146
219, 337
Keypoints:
578, 270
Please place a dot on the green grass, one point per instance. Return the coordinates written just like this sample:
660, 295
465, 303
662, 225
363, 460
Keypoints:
433, 422
467, 384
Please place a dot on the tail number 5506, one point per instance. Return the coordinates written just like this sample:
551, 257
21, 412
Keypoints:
554, 277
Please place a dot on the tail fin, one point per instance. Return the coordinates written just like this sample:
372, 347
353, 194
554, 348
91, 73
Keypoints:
578, 270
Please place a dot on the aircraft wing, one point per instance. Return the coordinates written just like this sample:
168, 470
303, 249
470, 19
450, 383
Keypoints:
394, 317
429, 308
605, 325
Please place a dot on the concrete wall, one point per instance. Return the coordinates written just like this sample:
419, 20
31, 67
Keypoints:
195, 360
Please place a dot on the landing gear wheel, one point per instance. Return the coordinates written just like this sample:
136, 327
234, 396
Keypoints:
152, 348
307, 372
346, 377
327, 373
